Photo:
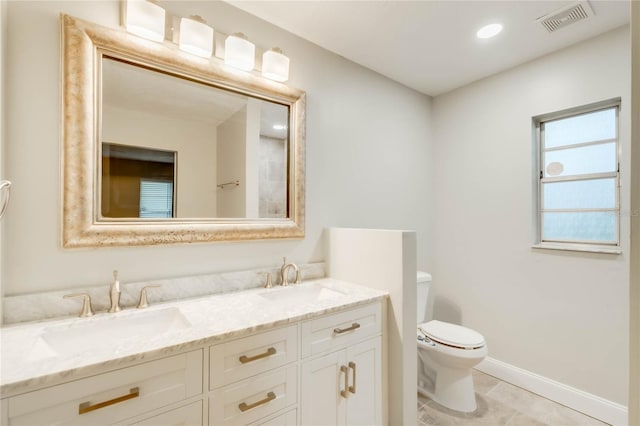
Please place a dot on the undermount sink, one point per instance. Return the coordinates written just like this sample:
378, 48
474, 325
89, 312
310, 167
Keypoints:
296, 293
97, 334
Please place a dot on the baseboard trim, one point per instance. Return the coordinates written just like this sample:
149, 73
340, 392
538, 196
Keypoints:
589, 404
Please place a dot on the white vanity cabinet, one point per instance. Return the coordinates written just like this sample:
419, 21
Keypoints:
341, 381
325, 370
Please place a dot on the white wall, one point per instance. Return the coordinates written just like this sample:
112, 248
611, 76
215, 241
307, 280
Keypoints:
634, 299
562, 315
194, 142
252, 154
367, 156
232, 164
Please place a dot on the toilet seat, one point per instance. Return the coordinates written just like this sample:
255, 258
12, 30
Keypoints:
452, 335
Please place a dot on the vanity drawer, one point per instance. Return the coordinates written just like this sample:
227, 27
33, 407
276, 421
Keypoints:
255, 398
339, 330
286, 419
189, 415
111, 397
246, 357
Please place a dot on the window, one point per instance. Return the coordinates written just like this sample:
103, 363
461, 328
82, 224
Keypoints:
578, 178
156, 199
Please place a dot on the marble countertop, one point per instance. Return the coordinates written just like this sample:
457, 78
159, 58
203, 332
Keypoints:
28, 361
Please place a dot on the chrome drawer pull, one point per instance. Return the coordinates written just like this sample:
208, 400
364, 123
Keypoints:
245, 359
86, 407
354, 326
352, 365
244, 407
343, 392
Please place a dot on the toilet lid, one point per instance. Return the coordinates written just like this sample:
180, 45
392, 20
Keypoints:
452, 335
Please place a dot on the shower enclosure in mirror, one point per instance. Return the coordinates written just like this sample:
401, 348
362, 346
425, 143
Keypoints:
164, 147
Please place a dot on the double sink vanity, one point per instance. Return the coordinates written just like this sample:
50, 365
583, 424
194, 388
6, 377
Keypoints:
303, 354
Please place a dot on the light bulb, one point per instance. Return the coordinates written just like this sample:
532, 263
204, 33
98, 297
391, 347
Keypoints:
489, 31
239, 52
145, 19
275, 65
196, 36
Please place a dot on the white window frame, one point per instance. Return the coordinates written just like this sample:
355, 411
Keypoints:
539, 179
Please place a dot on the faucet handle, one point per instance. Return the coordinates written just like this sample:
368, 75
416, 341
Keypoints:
269, 282
87, 309
143, 303
298, 277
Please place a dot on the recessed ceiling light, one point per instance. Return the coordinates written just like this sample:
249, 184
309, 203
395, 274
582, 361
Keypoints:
489, 31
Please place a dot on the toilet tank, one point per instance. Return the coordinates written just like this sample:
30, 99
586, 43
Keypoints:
424, 282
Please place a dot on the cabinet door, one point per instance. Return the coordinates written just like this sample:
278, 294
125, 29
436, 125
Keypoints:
322, 381
364, 404
189, 415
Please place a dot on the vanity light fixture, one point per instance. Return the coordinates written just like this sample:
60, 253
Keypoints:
489, 31
239, 52
275, 65
196, 36
145, 19
279, 127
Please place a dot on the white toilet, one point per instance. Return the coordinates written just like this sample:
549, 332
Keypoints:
446, 354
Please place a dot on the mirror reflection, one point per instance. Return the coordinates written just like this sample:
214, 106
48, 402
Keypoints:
176, 148
137, 182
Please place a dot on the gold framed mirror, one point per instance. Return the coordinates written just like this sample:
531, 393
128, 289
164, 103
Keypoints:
160, 146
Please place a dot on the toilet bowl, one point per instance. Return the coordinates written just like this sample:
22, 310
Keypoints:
446, 354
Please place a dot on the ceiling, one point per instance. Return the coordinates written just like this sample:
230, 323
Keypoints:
431, 46
136, 88
139, 89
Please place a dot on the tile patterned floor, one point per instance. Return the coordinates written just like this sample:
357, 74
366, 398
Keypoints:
502, 404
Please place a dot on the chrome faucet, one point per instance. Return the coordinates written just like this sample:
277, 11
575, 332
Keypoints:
114, 294
284, 270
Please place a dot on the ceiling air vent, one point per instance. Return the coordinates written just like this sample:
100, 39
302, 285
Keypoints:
566, 16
